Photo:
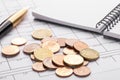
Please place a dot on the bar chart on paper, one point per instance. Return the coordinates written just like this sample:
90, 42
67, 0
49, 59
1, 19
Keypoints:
19, 67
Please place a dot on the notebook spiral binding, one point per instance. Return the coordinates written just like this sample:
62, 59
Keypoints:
110, 19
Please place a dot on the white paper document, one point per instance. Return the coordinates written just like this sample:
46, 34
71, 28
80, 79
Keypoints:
83, 14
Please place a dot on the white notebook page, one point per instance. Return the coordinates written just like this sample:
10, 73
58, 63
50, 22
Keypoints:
116, 29
80, 12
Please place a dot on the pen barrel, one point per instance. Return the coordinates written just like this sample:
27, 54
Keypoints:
18, 15
5, 28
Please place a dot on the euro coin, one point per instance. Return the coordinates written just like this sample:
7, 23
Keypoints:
28, 49
10, 50
32, 57
48, 63
82, 71
61, 42
18, 41
49, 39
70, 42
80, 45
64, 71
73, 60
51, 45
38, 66
68, 50
42, 53
85, 63
58, 59
41, 33
89, 54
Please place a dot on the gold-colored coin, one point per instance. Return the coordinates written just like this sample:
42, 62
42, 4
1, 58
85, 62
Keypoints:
64, 71
30, 48
68, 50
18, 41
49, 39
41, 33
48, 63
42, 53
70, 42
82, 71
38, 66
61, 42
73, 60
80, 45
89, 54
58, 59
10, 50
51, 45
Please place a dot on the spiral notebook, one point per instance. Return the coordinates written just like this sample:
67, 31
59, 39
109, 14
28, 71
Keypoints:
101, 16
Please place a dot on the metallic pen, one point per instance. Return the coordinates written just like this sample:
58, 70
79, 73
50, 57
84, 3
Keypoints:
12, 22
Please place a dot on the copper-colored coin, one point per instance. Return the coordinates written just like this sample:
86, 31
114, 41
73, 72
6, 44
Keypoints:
64, 71
32, 57
10, 50
48, 63
31, 47
80, 45
38, 66
61, 42
18, 41
82, 71
68, 50
49, 39
70, 42
85, 63
58, 59
41, 33
51, 45
42, 53
73, 60
89, 54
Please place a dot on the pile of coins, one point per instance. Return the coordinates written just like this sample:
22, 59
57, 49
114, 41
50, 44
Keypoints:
12, 50
65, 56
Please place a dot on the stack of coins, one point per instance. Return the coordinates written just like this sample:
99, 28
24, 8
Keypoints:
73, 59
